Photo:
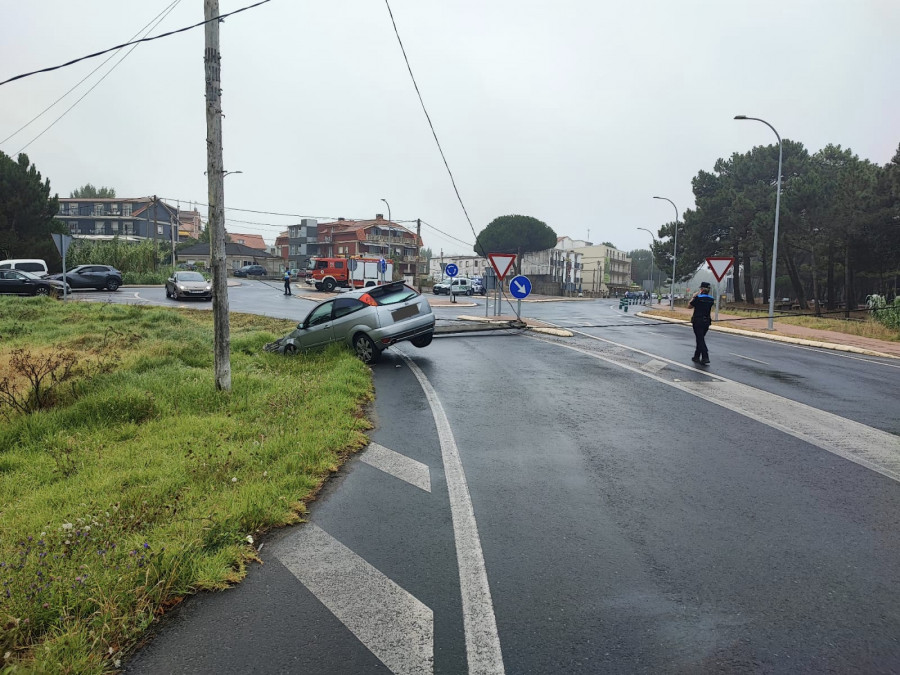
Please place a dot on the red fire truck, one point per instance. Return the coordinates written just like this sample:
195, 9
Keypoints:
326, 274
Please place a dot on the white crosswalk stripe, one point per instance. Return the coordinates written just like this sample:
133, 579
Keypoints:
398, 465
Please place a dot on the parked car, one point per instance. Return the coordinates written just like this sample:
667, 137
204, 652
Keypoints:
368, 320
478, 287
33, 265
18, 282
187, 284
251, 271
101, 277
299, 273
454, 286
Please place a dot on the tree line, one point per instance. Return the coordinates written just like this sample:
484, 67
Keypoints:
839, 225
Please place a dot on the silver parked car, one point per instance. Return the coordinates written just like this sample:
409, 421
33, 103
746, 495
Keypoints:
187, 284
368, 320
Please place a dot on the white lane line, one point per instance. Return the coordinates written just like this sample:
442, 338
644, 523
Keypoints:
740, 356
874, 449
480, 625
391, 623
831, 352
397, 465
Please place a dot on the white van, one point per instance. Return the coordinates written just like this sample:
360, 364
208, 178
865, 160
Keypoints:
32, 265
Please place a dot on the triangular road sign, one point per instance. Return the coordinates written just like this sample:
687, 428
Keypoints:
720, 266
501, 262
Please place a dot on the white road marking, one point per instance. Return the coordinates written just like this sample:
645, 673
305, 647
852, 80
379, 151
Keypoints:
397, 465
874, 449
740, 356
480, 625
654, 366
831, 352
391, 623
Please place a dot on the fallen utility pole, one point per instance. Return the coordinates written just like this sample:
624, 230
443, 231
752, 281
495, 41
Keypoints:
215, 176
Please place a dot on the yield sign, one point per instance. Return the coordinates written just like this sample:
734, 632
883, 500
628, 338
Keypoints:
720, 266
501, 262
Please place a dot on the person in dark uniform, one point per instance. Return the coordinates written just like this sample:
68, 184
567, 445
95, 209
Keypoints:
702, 303
287, 282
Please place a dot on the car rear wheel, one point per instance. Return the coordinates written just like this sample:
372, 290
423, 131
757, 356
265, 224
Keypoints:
422, 340
112, 284
469, 291
42, 290
365, 349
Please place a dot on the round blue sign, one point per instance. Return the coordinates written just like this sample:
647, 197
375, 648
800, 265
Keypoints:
451, 270
520, 286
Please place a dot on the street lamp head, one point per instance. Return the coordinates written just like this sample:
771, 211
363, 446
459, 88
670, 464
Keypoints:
740, 117
658, 197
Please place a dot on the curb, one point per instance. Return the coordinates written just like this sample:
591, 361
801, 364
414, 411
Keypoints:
779, 338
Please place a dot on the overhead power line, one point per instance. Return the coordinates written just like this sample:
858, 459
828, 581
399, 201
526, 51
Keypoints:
431, 126
159, 17
145, 30
221, 17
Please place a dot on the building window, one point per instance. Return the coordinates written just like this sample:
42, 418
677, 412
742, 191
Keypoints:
99, 227
73, 228
114, 227
128, 227
159, 229
126, 209
98, 209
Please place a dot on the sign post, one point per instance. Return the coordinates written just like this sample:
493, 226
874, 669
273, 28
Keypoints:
519, 287
501, 262
452, 270
719, 267
63, 241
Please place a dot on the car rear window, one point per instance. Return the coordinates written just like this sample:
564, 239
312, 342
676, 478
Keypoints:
391, 294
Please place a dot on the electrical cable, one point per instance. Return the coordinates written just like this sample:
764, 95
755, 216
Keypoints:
124, 56
433, 132
221, 17
76, 85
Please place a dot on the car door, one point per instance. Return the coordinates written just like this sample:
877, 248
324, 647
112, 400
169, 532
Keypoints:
350, 313
10, 283
317, 328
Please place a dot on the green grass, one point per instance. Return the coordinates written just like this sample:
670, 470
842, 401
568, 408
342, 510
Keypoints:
141, 483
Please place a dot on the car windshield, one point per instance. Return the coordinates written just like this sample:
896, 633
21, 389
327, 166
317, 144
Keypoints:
391, 294
30, 275
190, 276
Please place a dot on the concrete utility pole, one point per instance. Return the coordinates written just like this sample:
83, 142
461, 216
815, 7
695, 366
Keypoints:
418, 254
215, 176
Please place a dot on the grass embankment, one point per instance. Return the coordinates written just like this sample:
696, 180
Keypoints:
860, 323
136, 482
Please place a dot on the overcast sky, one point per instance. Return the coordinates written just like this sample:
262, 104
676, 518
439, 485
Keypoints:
575, 112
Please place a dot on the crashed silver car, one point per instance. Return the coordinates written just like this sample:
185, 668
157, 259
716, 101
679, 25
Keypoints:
368, 320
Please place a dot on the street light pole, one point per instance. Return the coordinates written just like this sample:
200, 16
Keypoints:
777, 209
389, 209
652, 265
674, 253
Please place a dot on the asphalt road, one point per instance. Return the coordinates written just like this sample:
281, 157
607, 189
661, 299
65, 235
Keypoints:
536, 504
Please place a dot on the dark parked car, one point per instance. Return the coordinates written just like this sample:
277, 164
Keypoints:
186, 284
368, 320
101, 277
18, 282
251, 271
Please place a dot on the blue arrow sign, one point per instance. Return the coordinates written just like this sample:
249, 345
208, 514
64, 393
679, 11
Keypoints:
520, 287
451, 270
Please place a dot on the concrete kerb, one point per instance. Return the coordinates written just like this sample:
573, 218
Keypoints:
778, 338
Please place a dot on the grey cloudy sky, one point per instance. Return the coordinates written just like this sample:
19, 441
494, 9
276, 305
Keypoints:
576, 112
